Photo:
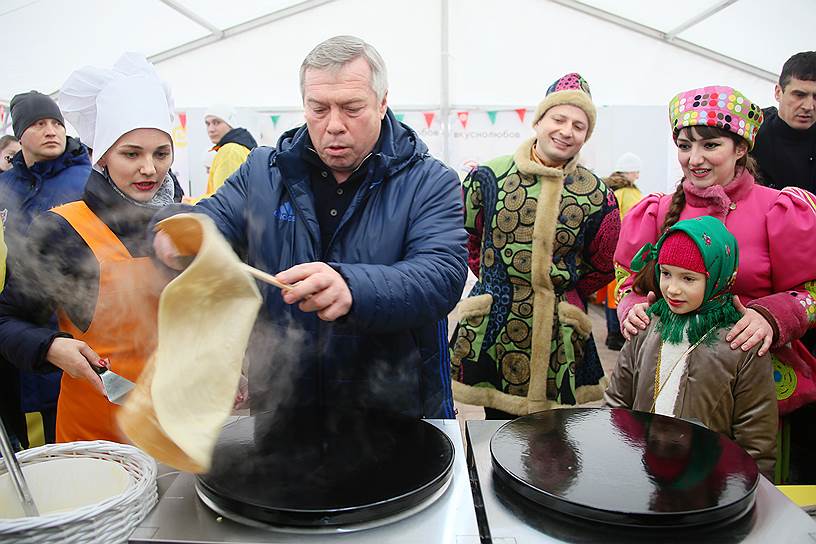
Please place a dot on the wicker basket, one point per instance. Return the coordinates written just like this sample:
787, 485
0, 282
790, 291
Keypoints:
108, 521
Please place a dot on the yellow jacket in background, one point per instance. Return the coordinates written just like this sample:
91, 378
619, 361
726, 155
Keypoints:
627, 197
227, 160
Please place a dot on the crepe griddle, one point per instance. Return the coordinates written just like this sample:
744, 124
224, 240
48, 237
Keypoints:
319, 470
623, 467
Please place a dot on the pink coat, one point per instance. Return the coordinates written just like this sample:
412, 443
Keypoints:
774, 231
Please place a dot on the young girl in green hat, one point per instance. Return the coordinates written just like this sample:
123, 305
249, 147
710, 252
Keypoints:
683, 366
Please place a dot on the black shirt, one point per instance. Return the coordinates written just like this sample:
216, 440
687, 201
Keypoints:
786, 156
332, 199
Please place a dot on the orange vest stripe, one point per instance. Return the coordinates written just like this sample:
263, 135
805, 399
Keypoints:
105, 245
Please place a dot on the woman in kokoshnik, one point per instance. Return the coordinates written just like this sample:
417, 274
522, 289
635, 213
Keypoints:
714, 129
542, 229
681, 365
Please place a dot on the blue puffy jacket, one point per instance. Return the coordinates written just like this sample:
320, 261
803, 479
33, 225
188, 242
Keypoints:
24, 193
401, 249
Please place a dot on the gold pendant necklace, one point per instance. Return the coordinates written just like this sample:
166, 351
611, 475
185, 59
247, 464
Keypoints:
658, 387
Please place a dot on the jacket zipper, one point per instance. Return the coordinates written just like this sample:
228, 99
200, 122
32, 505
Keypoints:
356, 204
319, 323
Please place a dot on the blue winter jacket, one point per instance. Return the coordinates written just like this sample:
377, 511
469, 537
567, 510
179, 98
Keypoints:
401, 249
25, 193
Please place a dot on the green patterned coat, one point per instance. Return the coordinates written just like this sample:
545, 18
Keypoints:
541, 241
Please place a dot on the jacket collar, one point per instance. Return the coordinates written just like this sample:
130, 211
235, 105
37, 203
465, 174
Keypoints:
718, 198
74, 154
528, 166
782, 129
398, 143
240, 136
616, 181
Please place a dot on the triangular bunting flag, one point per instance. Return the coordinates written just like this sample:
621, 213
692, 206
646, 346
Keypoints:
429, 117
274, 119
399, 116
183, 119
492, 116
463, 118
521, 113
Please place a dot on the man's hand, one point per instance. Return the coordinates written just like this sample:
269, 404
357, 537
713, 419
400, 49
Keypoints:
75, 357
167, 252
320, 288
637, 320
749, 331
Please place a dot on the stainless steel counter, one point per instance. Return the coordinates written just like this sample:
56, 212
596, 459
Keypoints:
181, 517
506, 518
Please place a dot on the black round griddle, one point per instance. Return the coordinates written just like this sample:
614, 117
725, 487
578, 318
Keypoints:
318, 470
623, 467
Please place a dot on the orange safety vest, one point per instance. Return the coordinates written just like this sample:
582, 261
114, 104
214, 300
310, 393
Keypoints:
611, 301
123, 328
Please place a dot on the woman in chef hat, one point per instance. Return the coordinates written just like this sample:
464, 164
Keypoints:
88, 261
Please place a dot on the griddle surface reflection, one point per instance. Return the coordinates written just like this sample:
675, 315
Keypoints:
624, 467
322, 470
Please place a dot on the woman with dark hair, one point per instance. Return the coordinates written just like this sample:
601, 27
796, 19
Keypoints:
714, 129
89, 261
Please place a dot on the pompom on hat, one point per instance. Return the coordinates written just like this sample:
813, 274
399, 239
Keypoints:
716, 106
570, 89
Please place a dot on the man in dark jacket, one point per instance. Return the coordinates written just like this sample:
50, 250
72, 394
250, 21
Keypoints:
785, 150
369, 227
786, 143
50, 169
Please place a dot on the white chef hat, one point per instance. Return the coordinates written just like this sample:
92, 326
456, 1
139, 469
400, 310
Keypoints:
104, 103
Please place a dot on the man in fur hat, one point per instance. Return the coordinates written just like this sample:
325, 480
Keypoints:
542, 232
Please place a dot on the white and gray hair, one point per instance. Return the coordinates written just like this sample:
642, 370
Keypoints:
338, 51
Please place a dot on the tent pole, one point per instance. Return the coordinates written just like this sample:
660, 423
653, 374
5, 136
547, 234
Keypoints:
193, 16
444, 85
672, 39
240, 28
716, 8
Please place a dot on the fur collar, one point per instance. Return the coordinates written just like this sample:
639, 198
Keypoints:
616, 181
528, 166
718, 198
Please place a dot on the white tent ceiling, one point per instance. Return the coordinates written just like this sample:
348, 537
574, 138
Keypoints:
445, 58
440, 53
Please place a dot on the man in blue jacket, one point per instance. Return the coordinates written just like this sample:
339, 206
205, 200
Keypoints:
50, 169
352, 209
